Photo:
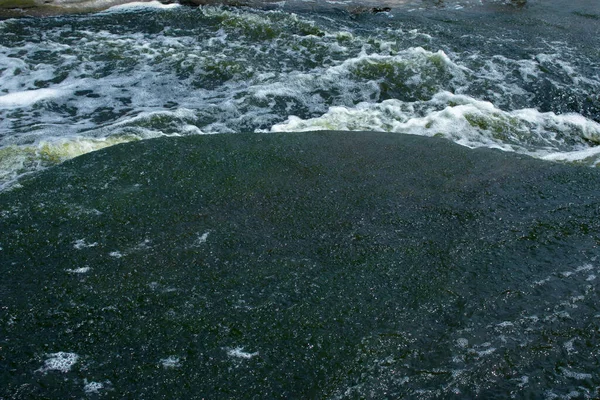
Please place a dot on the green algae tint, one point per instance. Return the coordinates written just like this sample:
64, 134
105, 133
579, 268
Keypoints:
302, 265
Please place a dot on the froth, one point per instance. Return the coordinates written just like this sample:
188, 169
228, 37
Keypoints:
60, 361
28, 97
141, 4
18, 159
204, 77
238, 352
81, 244
93, 387
575, 375
81, 270
170, 362
466, 121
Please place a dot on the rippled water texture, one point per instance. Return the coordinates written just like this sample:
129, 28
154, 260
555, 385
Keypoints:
286, 256
493, 74
328, 265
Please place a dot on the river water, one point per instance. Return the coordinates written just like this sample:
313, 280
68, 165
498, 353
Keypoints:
522, 78
272, 261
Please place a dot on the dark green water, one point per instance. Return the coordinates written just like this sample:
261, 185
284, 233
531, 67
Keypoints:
286, 263
301, 265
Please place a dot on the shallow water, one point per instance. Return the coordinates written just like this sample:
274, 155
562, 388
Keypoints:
493, 74
301, 265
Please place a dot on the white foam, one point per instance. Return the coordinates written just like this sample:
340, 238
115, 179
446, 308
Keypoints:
141, 4
28, 97
145, 245
81, 244
591, 154
466, 121
17, 160
192, 130
415, 63
586, 267
349, 75
577, 298
202, 238
60, 361
486, 352
115, 254
180, 113
524, 380
559, 314
488, 349
81, 270
550, 395
569, 346
220, 37
171, 362
528, 69
575, 375
239, 352
462, 342
92, 387
542, 281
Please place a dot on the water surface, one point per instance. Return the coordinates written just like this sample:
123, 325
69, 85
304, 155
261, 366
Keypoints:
269, 260
496, 74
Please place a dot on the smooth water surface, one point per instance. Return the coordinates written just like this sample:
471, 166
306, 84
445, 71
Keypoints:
301, 265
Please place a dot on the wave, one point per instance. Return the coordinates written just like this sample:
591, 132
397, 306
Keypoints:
182, 71
469, 122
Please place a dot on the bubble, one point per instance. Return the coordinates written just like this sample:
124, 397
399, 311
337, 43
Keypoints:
60, 361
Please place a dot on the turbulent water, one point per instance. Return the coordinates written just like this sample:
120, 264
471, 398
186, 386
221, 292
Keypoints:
522, 78
270, 262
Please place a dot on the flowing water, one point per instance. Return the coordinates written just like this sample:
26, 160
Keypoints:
273, 261
493, 74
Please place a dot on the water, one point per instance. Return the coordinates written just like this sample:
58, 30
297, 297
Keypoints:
289, 263
332, 265
493, 74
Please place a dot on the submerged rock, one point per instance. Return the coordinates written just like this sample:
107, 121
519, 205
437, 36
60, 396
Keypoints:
300, 265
